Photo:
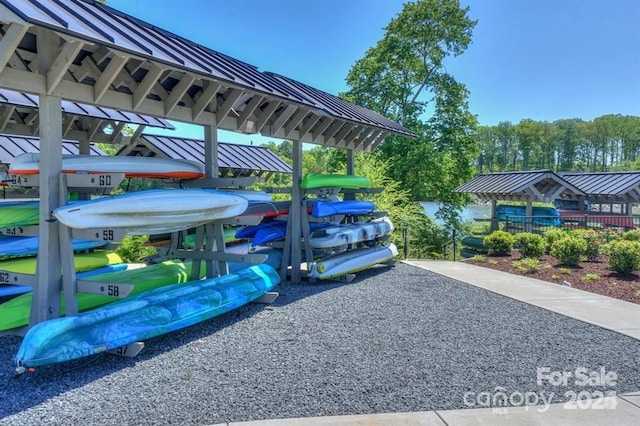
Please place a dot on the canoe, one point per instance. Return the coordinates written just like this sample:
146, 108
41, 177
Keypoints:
474, 242
352, 261
14, 290
350, 233
549, 216
15, 312
467, 252
331, 208
142, 317
252, 196
147, 167
317, 180
154, 211
28, 246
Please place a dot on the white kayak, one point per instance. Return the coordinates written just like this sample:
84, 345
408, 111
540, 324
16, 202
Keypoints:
149, 167
352, 261
350, 233
154, 211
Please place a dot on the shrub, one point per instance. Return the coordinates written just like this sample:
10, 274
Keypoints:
499, 242
587, 278
633, 235
553, 235
569, 250
624, 256
594, 243
530, 245
132, 248
530, 265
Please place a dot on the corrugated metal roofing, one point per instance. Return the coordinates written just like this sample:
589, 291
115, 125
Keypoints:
31, 101
605, 183
12, 146
230, 156
103, 25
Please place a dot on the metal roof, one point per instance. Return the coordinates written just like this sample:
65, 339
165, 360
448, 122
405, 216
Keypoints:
233, 159
607, 186
31, 101
12, 146
132, 65
540, 185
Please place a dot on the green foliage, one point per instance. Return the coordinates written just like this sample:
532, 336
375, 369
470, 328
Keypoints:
587, 278
624, 256
132, 248
478, 258
530, 245
551, 236
633, 235
594, 243
569, 251
529, 265
400, 77
499, 242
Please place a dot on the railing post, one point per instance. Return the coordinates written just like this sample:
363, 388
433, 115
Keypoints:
453, 234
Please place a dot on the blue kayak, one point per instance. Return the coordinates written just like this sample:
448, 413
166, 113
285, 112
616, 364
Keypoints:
143, 316
274, 230
332, 208
28, 246
549, 216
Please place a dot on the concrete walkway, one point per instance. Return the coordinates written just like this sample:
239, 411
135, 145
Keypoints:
612, 314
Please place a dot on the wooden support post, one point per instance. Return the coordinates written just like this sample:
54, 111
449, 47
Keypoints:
528, 223
351, 170
494, 215
46, 294
295, 215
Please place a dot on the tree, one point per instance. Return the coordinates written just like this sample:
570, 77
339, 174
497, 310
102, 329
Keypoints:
403, 75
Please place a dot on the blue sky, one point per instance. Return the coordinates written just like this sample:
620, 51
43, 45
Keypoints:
542, 59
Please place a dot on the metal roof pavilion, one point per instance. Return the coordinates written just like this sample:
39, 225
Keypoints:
98, 55
12, 145
540, 185
607, 187
233, 159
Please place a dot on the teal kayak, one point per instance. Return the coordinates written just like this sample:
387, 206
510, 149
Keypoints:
317, 180
146, 315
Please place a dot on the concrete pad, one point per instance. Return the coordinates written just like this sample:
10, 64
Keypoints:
582, 305
424, 418
623, 413
633, 399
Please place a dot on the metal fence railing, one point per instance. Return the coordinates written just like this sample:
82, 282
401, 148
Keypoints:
539, 224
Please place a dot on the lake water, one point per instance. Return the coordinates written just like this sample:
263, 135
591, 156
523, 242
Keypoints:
470, 212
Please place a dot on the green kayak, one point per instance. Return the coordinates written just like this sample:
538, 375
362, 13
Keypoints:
15, 312
83, 262
14, 214
316, 180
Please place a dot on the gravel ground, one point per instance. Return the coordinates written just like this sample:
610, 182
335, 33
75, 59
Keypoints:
395, 339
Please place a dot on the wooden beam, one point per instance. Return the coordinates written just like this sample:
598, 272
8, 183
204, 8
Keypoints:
283, 117
383, 134
148, 81
10, 41
295, 121
321, 128
61, 64
178, 91
228, 103
249, 109
96, 126
344, 131
266, 114
332, 130
108, 75
67, 124
209, 92
5, 116
306, 127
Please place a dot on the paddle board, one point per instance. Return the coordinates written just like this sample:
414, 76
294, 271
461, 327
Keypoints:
83, 262
352, 261
331, 208
141, 317
154, 211
147, 167
15, 312
22, 213
317, 180
350, 233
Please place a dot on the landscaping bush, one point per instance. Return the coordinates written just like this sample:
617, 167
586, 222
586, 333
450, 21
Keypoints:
499, 242
553, 235
530, 245
624, 256
569, 250
633, 235
594, 243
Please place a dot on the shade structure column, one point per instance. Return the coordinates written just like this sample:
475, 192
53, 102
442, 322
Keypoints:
46, 294
211, 171
295, 213
351, 170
